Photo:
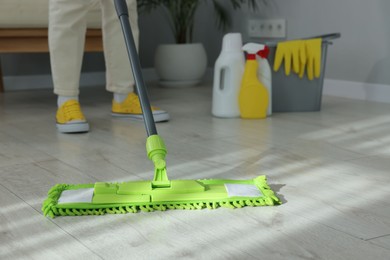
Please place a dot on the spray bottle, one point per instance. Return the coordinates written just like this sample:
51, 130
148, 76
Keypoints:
264, 74
253, 97
228, 71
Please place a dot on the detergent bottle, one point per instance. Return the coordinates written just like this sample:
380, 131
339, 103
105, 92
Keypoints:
228, 72
253, 96
264, 74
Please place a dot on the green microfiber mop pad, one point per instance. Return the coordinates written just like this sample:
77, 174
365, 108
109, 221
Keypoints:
119, 198
159, 194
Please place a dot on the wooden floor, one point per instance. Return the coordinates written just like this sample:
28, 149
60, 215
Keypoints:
330, 168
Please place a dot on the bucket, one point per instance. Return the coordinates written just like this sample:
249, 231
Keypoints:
294, 94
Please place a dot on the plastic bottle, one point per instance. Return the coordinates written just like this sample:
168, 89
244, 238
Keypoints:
253, 96
264, 74
228, 72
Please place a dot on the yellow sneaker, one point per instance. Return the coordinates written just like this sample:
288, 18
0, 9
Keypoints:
70, 119
131, 107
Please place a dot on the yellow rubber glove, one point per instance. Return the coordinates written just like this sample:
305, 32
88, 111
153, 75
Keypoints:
313, 52
291, 52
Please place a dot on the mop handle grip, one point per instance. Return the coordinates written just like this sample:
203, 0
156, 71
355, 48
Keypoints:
123, 14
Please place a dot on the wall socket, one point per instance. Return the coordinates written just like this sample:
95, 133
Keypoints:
267, 28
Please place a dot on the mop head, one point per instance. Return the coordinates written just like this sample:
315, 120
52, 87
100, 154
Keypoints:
119, 198
159, 194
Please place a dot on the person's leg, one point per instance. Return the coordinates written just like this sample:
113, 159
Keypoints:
118, 72
67, 26
119, 77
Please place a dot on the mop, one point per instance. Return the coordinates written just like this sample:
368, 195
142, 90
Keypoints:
161, 193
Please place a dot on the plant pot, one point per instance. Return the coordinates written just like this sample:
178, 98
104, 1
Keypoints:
180, 65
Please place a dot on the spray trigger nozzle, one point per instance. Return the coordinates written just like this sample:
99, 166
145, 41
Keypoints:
264, 52
254, 49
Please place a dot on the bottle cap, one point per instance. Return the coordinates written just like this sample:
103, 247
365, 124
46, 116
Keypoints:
232, 42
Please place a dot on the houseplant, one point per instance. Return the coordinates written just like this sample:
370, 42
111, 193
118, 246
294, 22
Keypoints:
171, 60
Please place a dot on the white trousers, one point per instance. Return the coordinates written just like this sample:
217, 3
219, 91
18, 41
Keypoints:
67, 27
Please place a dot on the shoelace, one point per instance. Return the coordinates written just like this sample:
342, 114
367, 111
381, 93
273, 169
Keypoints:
72, 111
135, 100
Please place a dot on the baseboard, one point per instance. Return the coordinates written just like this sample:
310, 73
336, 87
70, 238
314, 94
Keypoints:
29, 82
357, 90
332, 87
150, 74
87, 79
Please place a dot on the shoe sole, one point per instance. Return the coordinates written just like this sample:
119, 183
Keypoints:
161, 117
82, 127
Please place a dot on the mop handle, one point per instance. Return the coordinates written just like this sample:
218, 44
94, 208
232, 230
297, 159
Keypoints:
123, 14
